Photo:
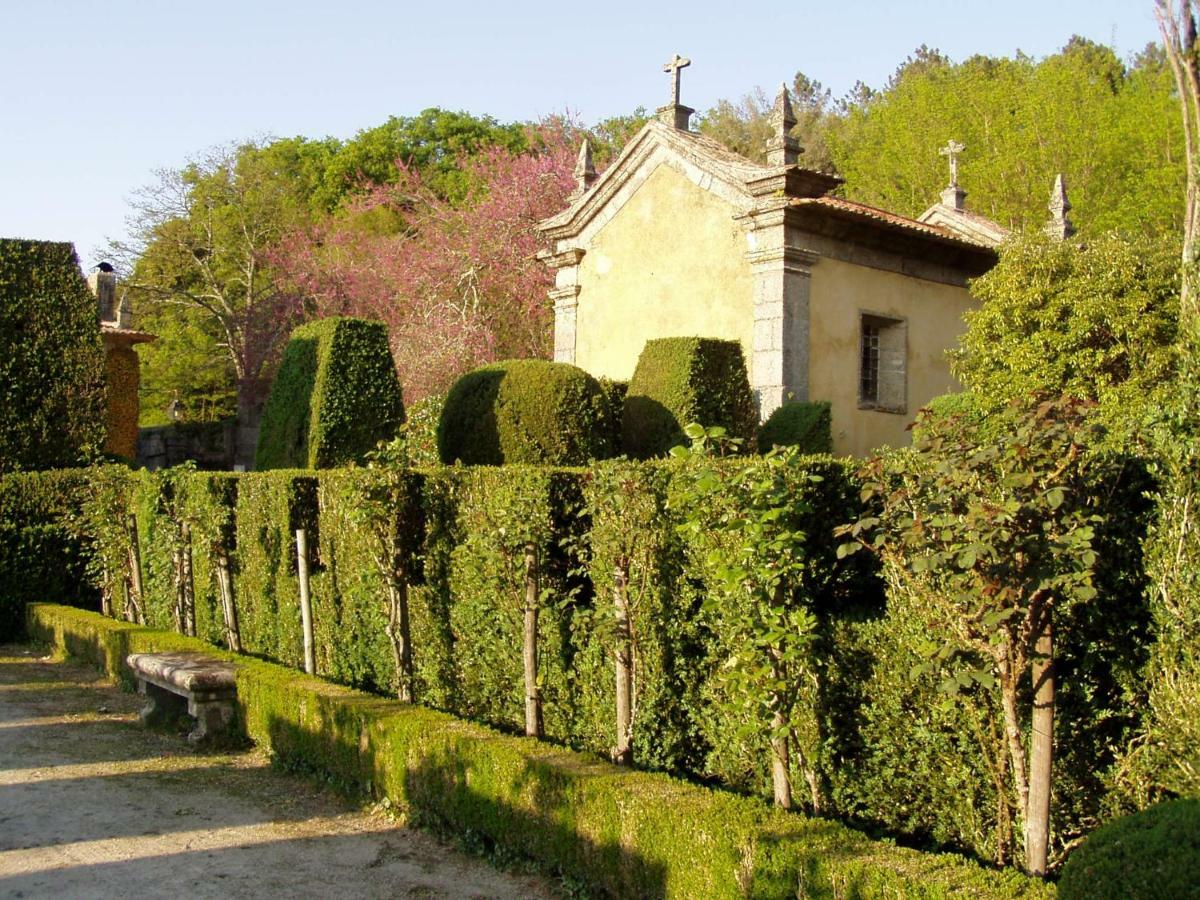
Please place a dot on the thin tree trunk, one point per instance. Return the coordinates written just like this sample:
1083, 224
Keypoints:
306, 616
400, 636
133, 609
1041, 754
189, 581
106, 594
623, 754
177, 582
1012, 733
781, 778
233, 635
533, 697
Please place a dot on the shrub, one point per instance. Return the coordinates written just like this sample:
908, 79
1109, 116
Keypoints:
525, 411
806, 426
682, 380
52, 361
614, 403
336, 396
1153, 853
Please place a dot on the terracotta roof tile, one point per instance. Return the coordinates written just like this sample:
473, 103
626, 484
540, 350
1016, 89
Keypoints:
861, 210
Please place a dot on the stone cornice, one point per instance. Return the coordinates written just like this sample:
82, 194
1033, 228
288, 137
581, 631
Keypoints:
791, 259
565, 296
563, 259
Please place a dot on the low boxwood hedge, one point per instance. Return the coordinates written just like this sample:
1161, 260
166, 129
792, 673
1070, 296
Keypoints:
625, 833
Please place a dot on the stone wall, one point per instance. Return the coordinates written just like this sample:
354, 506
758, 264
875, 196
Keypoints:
210, 445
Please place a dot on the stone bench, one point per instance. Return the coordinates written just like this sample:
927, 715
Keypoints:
176, 682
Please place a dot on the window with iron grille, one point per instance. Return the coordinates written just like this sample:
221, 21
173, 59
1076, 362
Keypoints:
882, 363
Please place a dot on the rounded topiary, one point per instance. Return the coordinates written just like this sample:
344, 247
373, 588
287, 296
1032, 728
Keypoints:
1153, 853
683, 380
808, 426
525, 411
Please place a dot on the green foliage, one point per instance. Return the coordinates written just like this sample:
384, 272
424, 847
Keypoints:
614, 402
1165, 759
51, 359
806, 426
40, 557
525, 411
420, 430
987, 535
335, 397
750, 520
1115, 132
432, 141
186, 364
624, 833
1095, 320
1153, 853
683, 380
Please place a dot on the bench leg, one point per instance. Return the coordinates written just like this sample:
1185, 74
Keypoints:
213, 719
161, 706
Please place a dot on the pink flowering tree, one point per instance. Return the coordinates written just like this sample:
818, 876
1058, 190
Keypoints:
458, 284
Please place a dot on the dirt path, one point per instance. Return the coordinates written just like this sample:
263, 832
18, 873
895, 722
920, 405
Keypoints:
91, 805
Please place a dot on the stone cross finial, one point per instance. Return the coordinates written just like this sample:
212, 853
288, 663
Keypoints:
952, 149
672, 68
782, 148
585, 170
1060, 226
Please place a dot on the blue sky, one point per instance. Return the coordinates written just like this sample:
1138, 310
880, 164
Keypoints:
97, 96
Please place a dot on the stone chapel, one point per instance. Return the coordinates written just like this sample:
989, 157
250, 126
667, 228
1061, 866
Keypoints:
831, 300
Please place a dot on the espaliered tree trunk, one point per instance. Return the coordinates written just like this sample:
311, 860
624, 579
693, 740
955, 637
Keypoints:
189, 581
400, 638
133, 593
233, 636
623, 752
1041, 753
533, 696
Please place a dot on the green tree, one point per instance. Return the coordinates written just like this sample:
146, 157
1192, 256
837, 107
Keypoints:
1096, 320
199, 239
992, 524
433, 142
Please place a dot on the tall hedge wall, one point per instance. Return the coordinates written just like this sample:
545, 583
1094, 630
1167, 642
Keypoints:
41, 555
51, 359
681, 380
336, 396
887, 747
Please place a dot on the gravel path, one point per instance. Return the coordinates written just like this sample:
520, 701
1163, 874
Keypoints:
92, 805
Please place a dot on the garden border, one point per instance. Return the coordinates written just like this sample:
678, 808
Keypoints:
623, 832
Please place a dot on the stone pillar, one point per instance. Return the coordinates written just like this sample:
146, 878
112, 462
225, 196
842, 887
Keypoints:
565, 296
566, 305
782, 284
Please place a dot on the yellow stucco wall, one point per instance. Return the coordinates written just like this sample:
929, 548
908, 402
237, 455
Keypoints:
841, 293
670, 263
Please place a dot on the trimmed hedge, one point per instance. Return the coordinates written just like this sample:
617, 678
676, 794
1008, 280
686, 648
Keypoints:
625, 833
335, 398
683, 380
41, 556
808, 426
886, 747
525, 411
52, 362
1153, 853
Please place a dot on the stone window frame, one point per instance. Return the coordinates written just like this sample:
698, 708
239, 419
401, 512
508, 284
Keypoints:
890, 361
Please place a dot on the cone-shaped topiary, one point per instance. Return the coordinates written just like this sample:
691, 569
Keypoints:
682, 380
336, 396
529, 411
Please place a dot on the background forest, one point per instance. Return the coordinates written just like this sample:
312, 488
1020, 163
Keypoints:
427, 222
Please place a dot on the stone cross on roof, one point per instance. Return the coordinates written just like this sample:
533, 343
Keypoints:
952, 149
672, 68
